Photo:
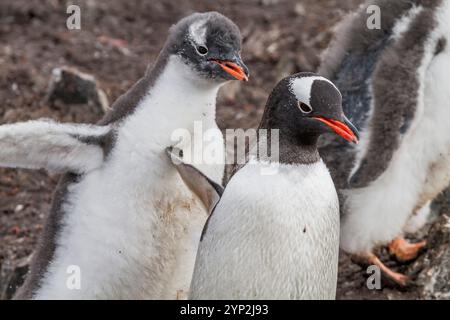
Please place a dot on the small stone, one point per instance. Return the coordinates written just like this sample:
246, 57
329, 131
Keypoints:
70, 87
15, 87
299, 9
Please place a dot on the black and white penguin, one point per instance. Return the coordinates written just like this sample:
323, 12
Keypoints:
121, 215
395, 86
276, 236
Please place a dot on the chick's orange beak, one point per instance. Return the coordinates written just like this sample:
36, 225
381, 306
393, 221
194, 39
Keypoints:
340, 128
232, 69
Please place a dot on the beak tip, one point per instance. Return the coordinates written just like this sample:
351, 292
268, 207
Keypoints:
341, 129
233, 69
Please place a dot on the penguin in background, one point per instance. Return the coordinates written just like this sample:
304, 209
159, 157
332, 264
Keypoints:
121, 214
275, 236
395, 85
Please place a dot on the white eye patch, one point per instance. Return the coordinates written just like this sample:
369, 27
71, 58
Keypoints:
197, 32
301, 88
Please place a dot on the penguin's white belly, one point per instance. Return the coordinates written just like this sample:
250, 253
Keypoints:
436, 124
419, 170
271, 237
131, 234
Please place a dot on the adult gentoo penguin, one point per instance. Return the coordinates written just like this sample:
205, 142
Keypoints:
395, 87
276, 236
122, 215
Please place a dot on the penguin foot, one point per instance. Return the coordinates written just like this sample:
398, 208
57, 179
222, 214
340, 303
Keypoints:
398, 278
405, 251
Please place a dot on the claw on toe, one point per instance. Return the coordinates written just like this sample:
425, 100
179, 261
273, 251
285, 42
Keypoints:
405, 251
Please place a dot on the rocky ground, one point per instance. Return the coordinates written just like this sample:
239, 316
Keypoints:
117, 41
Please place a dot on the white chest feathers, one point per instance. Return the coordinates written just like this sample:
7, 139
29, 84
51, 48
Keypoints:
271, 237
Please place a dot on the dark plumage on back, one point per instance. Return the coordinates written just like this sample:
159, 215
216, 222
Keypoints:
377, 76
394, 87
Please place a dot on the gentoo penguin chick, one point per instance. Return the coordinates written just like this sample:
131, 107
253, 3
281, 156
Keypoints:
123, 225
395, 86
276, 236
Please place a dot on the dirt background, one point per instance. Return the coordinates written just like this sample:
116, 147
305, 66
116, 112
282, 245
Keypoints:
116, 42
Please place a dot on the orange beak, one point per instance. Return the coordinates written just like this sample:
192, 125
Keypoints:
232, 69
340, 128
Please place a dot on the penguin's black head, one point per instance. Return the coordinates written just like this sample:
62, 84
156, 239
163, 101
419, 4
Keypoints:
209, 43
306, 105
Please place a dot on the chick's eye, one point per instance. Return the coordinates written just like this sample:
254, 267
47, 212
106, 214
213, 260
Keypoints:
202, 50
304, 107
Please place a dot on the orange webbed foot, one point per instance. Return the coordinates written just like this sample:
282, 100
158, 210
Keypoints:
405, 251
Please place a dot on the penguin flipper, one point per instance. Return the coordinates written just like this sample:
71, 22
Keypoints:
204, 188
46, 144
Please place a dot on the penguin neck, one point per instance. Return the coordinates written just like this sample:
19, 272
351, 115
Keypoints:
294, 148
178, 99
298, 149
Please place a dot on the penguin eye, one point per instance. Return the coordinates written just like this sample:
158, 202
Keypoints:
202, 50
304, 107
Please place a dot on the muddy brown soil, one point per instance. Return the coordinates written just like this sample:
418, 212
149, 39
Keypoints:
116, 42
